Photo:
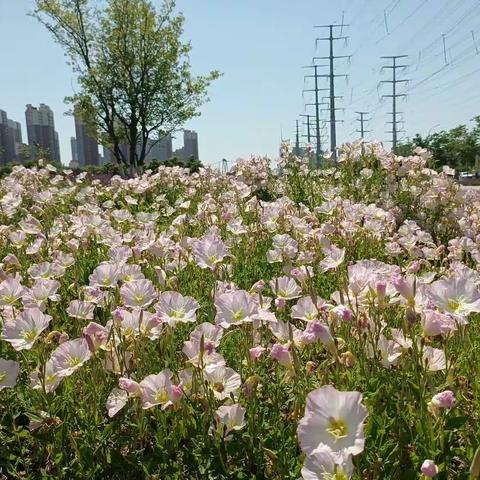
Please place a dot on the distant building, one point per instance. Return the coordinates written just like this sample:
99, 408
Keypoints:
107, 156
87, 146
73, 147
10, 138
190, 146
41, 130
160, 150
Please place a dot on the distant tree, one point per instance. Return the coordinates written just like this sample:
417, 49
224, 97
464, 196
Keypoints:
456, 148
133, 70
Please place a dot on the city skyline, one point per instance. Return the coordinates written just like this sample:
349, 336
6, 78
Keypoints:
84, 149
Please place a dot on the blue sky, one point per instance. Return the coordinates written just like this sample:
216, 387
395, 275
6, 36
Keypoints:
260, 46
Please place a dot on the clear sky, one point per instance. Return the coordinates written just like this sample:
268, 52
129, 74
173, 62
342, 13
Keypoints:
260, 46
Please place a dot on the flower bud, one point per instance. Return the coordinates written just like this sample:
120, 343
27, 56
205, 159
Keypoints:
429, 469
347, 359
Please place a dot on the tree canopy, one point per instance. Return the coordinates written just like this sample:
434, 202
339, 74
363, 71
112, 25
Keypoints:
133, 70
456, 148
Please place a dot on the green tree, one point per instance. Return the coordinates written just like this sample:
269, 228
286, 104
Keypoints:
133, 70
456, 148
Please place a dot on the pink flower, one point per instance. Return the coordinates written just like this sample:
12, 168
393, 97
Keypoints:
230, 417
209, 251
10, 291
130, 386
317, 331
212, 334
305, 309
457, 295
434, 359
23, 331
176, 393
334, 257
138, 293
235, 308
105, 275
8, 373
405, 287
224, 381
256, 352
342, 313
285, 288
81, 310
445, 399
174, 308
281, 353
70, 356
96, 335
435, 323
324, 464
42, 291
429, 469
157, 390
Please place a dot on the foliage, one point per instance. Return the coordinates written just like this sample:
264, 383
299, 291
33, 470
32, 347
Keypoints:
367, 281
132, 68
458, 148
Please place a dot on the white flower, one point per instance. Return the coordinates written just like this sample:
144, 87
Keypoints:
230, 417
70, 356
157, 390
323, 464
116, 401
333, 419
223, 381
8, 373
23, 331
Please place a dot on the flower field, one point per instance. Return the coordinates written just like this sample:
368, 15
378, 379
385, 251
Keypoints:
316, 324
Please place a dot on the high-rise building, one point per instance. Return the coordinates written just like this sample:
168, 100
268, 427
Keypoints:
160, 150
73, 147
10, 138
190, 146
87, 146
41, 130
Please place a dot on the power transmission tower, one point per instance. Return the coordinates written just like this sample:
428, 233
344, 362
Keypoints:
317, 104
362, 121
331, 76
308, 135
224, 165
297, 140
395, 81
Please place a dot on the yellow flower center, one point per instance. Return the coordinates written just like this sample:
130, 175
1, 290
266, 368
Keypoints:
139, 298
177, 313
29, 335
238, 315
454, 304
161, 396
338, 428
10, 299
50, 378
74, 361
